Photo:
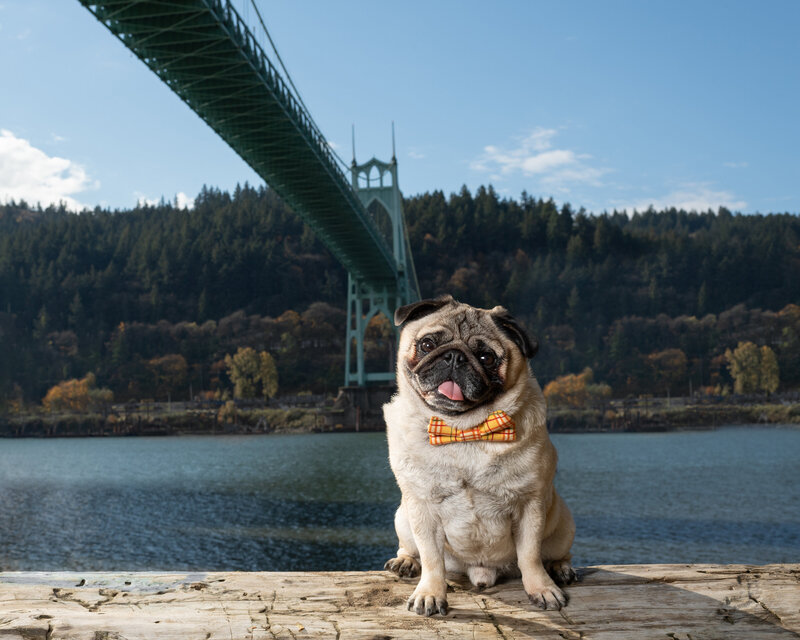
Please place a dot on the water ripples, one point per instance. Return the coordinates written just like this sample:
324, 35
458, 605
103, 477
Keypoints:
326, 502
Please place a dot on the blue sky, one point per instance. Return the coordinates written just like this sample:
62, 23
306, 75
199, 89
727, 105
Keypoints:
601, 104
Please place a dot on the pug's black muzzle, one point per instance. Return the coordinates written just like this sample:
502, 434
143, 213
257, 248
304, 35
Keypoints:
456, 363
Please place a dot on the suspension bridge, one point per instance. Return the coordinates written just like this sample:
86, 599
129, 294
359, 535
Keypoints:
207, 53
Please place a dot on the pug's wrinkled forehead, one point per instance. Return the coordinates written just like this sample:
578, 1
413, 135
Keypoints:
467, 324
462, 323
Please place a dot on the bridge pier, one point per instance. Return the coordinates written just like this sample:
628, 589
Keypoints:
358, 408
364, 303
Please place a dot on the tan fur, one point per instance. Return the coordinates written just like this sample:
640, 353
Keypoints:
482, 508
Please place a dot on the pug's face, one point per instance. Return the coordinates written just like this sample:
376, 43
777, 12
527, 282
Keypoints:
457, 357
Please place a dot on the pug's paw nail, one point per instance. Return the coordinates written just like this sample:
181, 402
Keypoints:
537, 601
427, 604
548, 598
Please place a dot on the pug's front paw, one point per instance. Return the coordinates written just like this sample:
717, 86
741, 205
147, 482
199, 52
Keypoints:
547, 597
425, 602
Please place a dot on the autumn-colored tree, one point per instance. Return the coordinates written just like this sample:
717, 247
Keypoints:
169, 373
770, 374
77, 395
250, 372
577, 390
243, 369
668, 368
753, 369
744, 365
569, 390
227, 412
268, 374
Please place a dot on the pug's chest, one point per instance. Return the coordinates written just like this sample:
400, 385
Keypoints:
476, 514
483, 494
479, 483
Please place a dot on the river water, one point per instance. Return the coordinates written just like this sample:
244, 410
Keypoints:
326, 501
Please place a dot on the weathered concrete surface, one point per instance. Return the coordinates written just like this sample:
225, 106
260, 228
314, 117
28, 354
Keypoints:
682, 602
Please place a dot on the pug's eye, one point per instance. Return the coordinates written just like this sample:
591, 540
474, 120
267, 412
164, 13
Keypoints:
426, 345
487, 358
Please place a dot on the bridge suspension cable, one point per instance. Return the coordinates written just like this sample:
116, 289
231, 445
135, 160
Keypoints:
288, 75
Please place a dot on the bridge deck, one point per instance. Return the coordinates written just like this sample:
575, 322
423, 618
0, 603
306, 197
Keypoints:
207, 55
610, 602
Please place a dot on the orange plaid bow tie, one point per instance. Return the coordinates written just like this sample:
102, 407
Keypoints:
498, 427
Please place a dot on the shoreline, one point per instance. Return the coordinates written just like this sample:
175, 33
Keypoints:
317, 420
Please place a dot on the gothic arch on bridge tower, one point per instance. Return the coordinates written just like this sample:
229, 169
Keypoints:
375, 181
375, 174
382, 219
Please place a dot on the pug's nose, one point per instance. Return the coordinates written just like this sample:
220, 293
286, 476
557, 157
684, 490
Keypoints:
455, 358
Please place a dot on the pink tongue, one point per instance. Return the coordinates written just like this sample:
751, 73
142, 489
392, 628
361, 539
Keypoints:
451, 390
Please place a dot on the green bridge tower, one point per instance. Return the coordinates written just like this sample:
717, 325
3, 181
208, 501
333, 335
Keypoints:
375, 184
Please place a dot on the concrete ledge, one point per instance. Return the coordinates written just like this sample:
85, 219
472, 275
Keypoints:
682, 602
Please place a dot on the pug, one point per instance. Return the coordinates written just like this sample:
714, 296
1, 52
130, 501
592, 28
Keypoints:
469, 448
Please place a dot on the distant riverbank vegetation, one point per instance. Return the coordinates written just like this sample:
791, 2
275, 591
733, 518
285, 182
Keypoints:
157, 301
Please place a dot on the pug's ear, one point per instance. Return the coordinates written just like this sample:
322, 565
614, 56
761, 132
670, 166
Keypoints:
419, 309
508, 325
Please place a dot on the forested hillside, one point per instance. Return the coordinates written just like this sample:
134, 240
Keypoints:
151, 300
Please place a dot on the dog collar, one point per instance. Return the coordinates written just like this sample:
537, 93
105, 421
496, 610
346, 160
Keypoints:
498, 427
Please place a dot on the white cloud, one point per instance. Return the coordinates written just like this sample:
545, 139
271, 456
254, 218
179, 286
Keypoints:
536, 157
583, 174
28, 173
181, 200
416, 155
184, 201
545, 161
736, 165
143, 201
693, 196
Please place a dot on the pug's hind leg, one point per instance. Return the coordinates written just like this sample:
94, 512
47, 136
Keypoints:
542, 591
406, 563
561, 571
555, 548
